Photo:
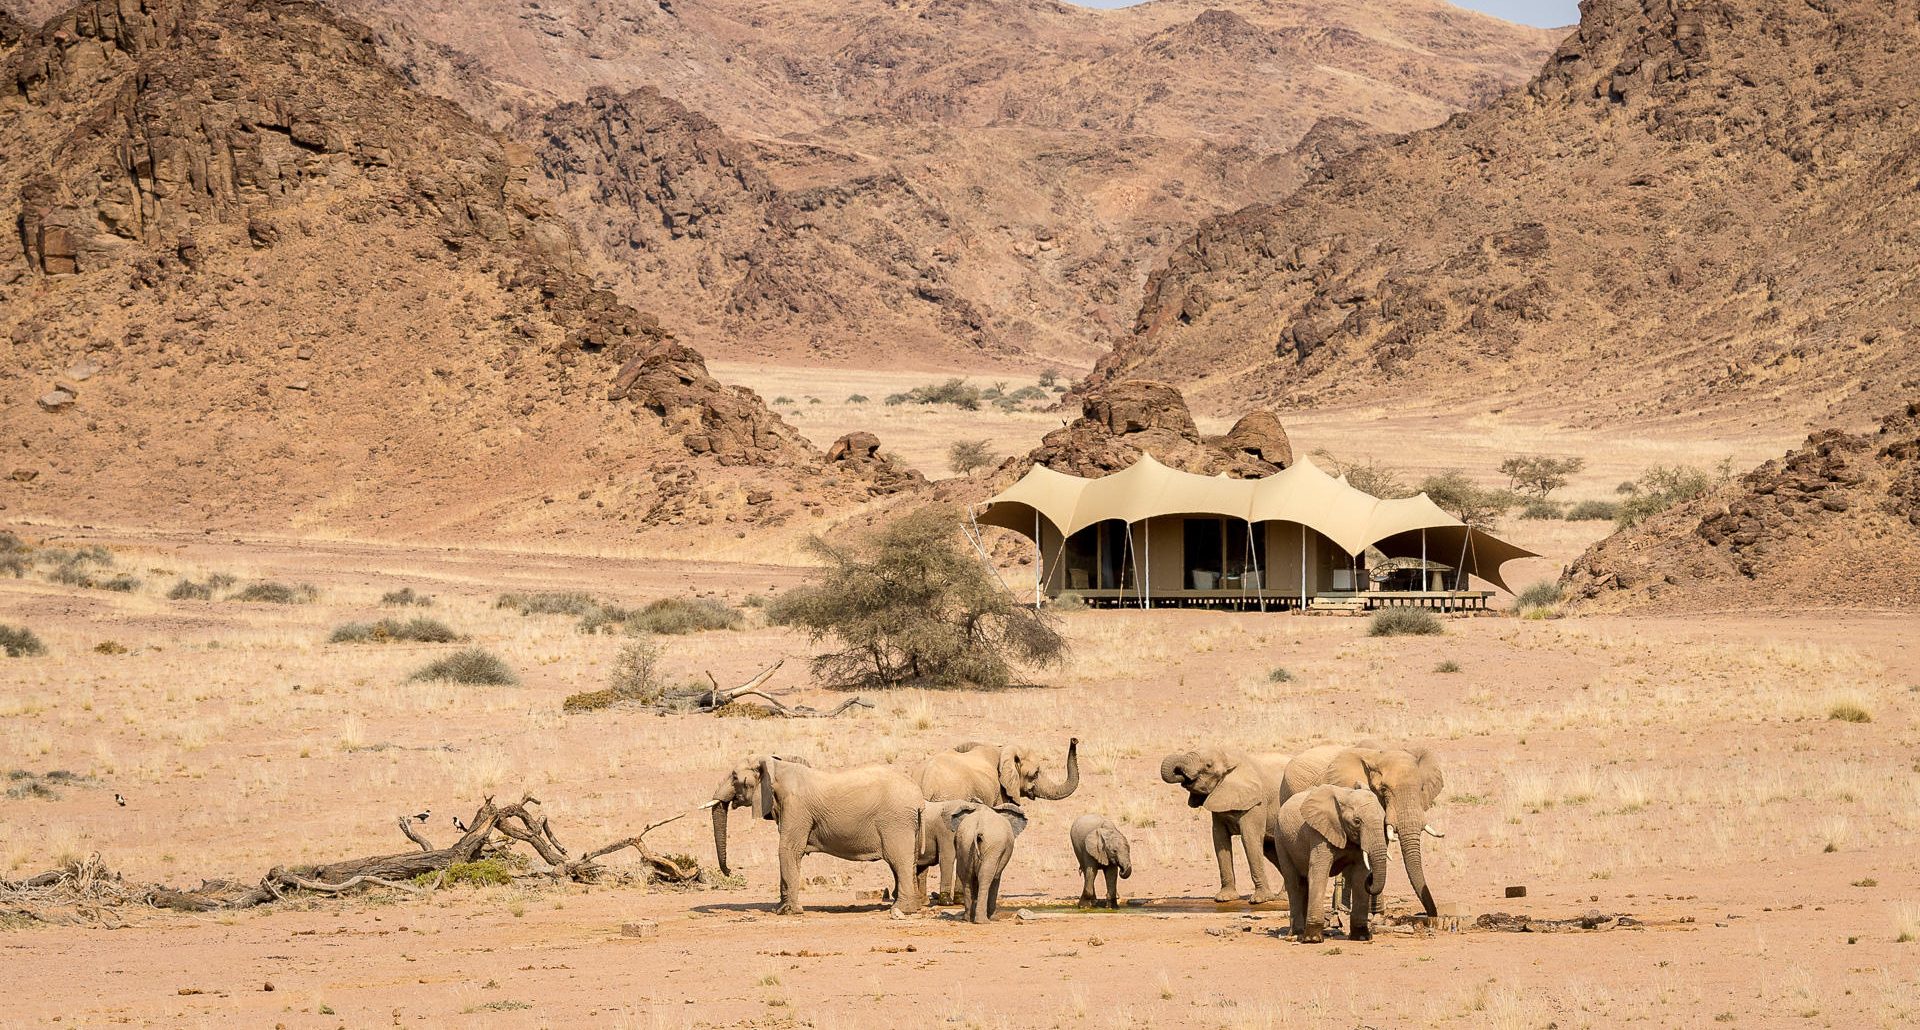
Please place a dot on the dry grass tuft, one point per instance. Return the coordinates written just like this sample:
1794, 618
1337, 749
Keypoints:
470, 665
20, 642
1405, 622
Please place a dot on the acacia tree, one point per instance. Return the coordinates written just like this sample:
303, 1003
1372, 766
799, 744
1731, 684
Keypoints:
1539, 474
907, 604
965, 456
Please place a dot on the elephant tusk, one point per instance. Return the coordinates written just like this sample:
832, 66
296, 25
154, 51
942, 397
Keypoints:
709, 804
1433, 832
1368, 862
1392, 834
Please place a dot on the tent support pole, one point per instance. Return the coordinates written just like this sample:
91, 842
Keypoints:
1146, 576
1303, 566
1038, 574
1426, 578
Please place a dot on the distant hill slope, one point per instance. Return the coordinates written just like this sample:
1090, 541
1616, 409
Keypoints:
1699, 207
258, 281
946, 183
1834, 523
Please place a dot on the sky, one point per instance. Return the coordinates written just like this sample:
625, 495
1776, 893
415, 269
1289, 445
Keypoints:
1545, 13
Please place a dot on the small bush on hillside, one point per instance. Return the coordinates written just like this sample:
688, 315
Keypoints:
1849, 711
907, 604
1471, 503
549, 602
405, 598
957, 392
1594, 511
1543, 594
1404, 622
1664, 487
967, 456
119, 583
470, 665
856, 398
14, 565
1368, 477
1279, 674
1539, 474
109, 647
419, 630
673, 616
271, 592
1049, 376
19, 642
1538, 509
636, 673
1448, 666
188, 590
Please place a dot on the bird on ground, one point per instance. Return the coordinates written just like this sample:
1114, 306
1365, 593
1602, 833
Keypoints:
422, 815
458, 825
118, 800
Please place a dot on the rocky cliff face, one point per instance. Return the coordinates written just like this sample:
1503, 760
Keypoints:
1835, 523
1124, 420
258, 280
1588, 243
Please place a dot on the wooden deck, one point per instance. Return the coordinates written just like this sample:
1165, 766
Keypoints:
1236, 601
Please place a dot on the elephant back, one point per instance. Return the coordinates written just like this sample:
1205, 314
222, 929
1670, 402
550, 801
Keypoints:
966, 773
1308, 769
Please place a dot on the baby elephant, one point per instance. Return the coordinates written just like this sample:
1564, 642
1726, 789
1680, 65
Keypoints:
1322, 832
982, 846
1101, 848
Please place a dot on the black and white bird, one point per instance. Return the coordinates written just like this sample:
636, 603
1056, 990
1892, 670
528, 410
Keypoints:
423, 815
118, 800
458, 825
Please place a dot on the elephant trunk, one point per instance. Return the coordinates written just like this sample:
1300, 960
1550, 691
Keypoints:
1416, 873
1172, 768
1058, 789
720, 837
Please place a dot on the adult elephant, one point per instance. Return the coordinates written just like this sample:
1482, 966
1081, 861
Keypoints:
1240, 791
993, 774
866, 814
1407, 782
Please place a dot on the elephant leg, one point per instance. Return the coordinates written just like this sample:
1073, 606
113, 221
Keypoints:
1296, 904
907, 897
1086, 887
1113, 886
791, 851
1319, 869
949, 880
1223, 854
1357, 890
1253, 832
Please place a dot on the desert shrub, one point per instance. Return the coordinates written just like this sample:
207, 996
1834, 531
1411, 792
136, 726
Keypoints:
1404, 622
20, 642
1279, 674
673, 616
1849, 711
1368, 476
405, 597
856, 398
417, 630
1593, 511
1538, 474
1049, 376
549, 602
957, 392
1448, 666
469, 665
271, 592
753, 601
14, 565
485, 872
1664, 487
894, 400
783, 400
907, 604
109, 647
1543, 594
1068, 601
1539, 508
119, 583
967, 456
15, 557
87, 569
188, 590
636, 672
1471, 503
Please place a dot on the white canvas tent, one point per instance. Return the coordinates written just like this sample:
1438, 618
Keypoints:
1329, 521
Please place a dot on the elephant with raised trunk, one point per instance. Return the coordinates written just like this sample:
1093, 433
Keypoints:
1240, 791
1407, 783
866, 814
1323, 832
994, 774
983, 845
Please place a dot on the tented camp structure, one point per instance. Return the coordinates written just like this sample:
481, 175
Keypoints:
1152, 536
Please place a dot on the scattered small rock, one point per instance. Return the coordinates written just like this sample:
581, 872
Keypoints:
56, 400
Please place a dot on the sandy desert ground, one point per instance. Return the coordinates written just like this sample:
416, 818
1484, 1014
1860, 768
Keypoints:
1686, 773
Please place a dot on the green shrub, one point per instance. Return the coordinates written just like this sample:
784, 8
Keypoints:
270, 592
1540, 508
485, 872
957, 392
783, 400
469, 665
1594, 511
856, 398
1448, 666
549, 602
188, 590
121, 583
907, 604
110, 647
405, 598
1543, 594
1049, 376
1466, 500
416, 630
1539, 474
1279, 674
673, 616
1664, 487
19, 642
1404, 622
1849, 711
968, 456
636, 673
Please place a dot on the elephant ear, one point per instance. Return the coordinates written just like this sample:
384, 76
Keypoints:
1238, 791
1431, 780
766, 804
1322, 813
1010, 781
1349, 769
959, 812
1016, 817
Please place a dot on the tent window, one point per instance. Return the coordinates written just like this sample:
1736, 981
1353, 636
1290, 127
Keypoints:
1202, 549
1097, 558
1083, 558
1240, 560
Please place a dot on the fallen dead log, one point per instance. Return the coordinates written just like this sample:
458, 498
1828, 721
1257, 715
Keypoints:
86, 884
716, 700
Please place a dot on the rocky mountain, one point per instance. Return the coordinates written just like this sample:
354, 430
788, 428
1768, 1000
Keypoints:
259, 281
1699, 207
957, 181
1834, 523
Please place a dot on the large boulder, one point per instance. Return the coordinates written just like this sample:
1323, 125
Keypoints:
1124, 420
1260, 436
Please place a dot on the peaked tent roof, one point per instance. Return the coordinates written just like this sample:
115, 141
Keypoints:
1302, 493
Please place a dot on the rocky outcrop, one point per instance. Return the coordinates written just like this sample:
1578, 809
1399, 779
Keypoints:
1491, 260
1831, 524
859, 454
1120, 422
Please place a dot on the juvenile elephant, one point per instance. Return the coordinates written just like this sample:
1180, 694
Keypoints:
866, 814
936, 845
1406, 782
1240, 790
1100, 847
983, 845
993, 774
1323, 832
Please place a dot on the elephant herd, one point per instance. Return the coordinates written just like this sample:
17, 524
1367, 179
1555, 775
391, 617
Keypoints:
1328, 812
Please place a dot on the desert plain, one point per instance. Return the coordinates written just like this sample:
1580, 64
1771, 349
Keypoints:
1747, 853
